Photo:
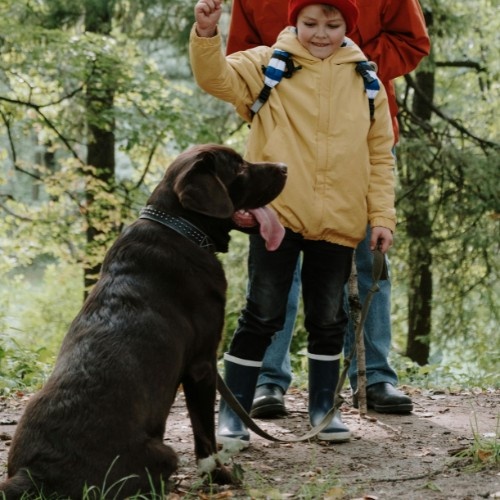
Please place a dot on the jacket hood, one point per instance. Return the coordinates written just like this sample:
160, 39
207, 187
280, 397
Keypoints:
288, 41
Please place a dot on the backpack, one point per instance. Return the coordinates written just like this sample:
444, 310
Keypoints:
281, 66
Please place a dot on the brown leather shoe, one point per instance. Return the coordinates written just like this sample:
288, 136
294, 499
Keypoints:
268, 402
385, 398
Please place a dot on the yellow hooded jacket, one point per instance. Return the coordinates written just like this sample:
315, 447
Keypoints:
340, 164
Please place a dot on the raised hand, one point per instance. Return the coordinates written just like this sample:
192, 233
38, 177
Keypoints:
207, 14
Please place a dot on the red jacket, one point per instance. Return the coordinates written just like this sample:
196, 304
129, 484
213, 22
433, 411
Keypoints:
390, 32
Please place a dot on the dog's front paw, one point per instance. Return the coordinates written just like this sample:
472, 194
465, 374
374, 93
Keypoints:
214, 471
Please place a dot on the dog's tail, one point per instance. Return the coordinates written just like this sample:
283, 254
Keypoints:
21, 483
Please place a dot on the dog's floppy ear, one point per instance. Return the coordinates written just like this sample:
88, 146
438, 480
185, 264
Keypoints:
199, 189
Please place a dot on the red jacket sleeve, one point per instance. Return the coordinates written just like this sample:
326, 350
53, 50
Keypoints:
256, 22
393, 34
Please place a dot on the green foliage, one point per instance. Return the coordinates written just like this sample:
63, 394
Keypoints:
45, 92
37, 310
449, 374
20, 367
449, 179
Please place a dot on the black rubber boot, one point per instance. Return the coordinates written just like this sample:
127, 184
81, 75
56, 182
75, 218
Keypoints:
385, 398
240, 376
323, 379
268, 402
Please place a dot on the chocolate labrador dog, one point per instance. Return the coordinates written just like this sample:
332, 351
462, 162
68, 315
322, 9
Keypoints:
152, 322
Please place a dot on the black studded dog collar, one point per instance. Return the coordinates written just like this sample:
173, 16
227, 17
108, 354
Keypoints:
182, 226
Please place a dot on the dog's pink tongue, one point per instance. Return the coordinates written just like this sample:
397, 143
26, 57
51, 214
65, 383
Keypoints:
270, 227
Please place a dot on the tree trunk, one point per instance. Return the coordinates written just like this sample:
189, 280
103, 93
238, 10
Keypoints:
419, 228
101, 136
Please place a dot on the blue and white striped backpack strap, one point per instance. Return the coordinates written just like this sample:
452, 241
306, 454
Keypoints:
371, 82
280, 65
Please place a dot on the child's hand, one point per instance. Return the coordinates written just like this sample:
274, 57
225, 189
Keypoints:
382, 238
207, 14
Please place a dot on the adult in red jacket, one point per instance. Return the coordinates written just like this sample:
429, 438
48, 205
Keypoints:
392, 33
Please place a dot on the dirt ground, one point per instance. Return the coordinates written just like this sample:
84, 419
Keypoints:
406, 457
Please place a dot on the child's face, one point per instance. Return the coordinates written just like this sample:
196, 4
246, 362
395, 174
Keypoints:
320, 31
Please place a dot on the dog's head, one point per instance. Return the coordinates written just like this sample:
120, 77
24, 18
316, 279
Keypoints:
216, 181
208, 183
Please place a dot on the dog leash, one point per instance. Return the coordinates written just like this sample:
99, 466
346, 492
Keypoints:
379, 271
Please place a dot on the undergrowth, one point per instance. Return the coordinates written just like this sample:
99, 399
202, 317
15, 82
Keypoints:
483, 452
105, 492
40, 302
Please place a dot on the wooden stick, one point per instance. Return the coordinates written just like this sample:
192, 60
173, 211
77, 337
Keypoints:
355, 314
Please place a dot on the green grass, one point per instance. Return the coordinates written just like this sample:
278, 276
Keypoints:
483, 452
105, 492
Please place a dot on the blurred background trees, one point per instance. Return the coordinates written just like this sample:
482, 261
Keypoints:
96, 98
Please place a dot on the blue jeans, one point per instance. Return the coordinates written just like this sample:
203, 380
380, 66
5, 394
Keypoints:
276, 368
324, 272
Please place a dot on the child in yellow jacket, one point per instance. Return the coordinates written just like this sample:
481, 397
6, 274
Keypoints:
340, 176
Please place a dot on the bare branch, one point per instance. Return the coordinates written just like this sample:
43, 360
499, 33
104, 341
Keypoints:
461, 64
453, 122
